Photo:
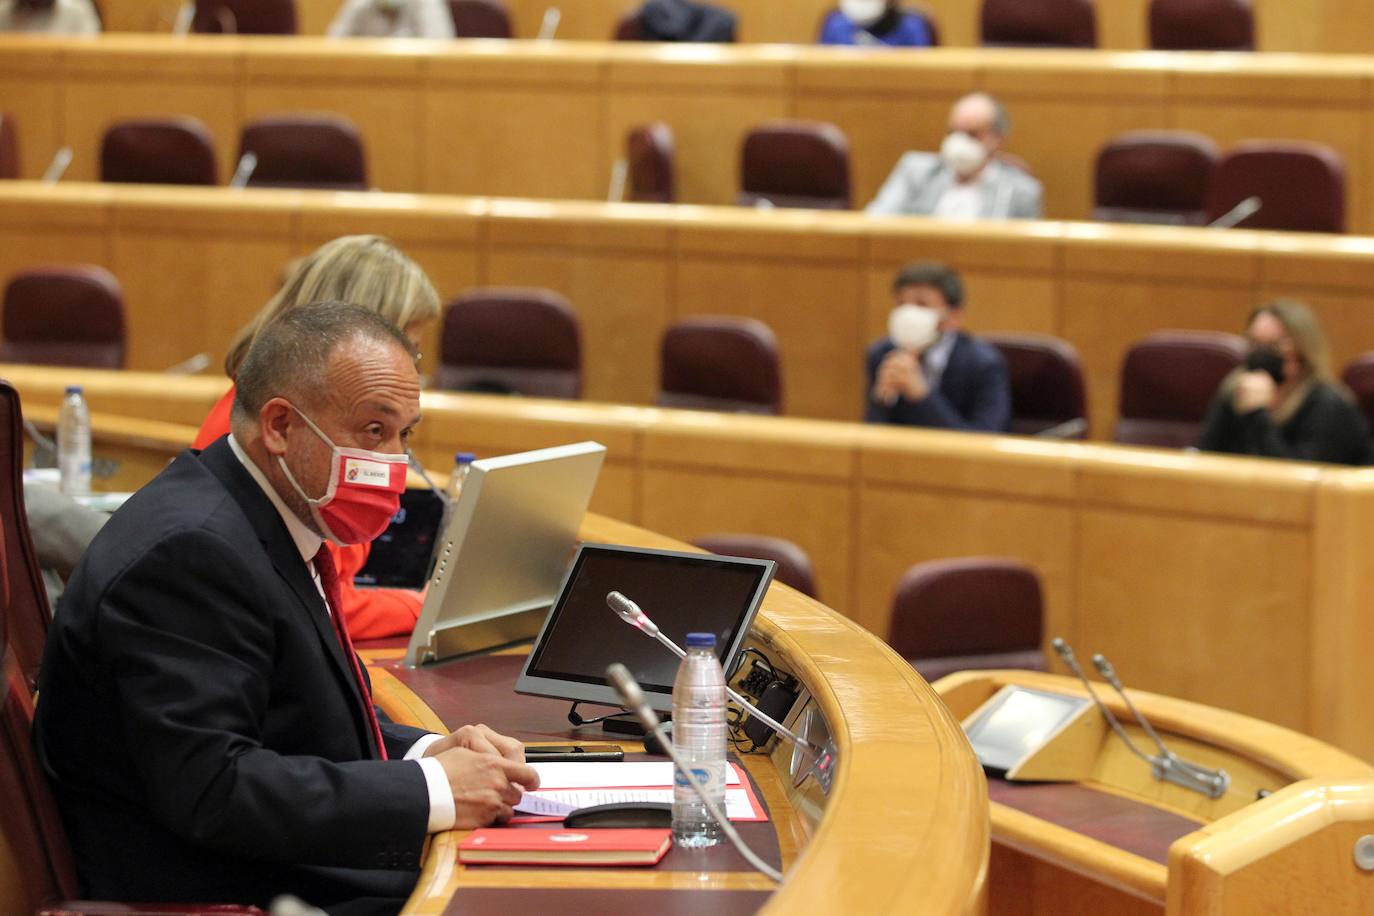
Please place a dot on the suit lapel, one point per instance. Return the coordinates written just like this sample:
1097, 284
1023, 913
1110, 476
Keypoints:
221, 461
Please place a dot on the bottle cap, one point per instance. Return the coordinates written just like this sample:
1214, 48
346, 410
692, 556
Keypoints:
464, 458
74, 389
701, 640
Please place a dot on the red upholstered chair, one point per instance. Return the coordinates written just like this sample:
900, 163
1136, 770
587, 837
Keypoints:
305, 151
158, 151
9, 147
1154, 176
627, 28
245, 17
794, 566
26, 613
522, 341
1047, 388
720, 363
64, 316
649, 157
1202, 25
975, 612
480, 19
1359, 378
1039, 23
795, 164
1301, 185
1167, 382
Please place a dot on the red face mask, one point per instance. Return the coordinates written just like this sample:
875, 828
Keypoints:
364, 491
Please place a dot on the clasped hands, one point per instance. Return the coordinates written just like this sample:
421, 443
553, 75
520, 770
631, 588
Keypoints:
487, 773
1254, 391
900, 375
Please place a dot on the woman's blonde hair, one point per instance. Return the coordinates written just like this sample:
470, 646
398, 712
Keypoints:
365, 270
1309, 342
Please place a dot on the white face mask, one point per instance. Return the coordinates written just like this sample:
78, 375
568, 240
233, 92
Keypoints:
962, 153
863, 13
913, 327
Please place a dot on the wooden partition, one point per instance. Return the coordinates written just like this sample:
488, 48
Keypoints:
1281, 25
547, 119
1235, 582
197, 264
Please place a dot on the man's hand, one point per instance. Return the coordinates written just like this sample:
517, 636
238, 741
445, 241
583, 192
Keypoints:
900, 373
485, 786
1254, 390
482, 740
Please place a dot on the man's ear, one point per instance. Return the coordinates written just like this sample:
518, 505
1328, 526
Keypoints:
274, 423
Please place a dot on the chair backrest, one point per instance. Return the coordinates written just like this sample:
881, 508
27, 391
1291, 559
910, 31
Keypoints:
158, 151
649, 157
1047, 388
795, 164
1301, 185
1167, 382
628, 28
1154, 176
1202, 25
480, 19
245, 17
794, 566
63, 316
721, 363
1359, 378
526, 341
973, 612
1040, 23
9, 147
305, 151
27, 614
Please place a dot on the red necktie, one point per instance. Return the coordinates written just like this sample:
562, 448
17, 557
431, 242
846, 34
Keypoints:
329, 578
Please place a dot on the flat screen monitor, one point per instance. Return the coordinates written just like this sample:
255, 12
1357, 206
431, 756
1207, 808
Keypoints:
400, 557
1018, 721
681, 592
505, 549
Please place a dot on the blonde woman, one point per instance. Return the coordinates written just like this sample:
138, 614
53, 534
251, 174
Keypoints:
369, 271
1284, 403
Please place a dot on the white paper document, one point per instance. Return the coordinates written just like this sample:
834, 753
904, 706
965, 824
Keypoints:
593, 775
559, 802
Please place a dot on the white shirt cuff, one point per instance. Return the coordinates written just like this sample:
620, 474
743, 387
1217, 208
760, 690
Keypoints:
442, 814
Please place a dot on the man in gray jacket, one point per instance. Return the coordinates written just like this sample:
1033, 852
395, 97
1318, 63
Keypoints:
965, 180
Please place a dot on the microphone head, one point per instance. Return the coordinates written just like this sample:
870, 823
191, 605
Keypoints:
1104, 667
1061, 648
630, 612
619, 677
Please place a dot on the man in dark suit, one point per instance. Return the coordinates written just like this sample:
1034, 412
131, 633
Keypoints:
204, 722
934, 374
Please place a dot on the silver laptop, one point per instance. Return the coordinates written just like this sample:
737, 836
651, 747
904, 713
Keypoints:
504, 552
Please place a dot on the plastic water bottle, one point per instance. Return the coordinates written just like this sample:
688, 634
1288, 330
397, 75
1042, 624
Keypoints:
462, 463
74, 444
699, 734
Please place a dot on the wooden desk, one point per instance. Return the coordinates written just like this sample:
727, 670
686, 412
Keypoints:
1056, 851
1306, 25
547, 119
1155, 558
197, 264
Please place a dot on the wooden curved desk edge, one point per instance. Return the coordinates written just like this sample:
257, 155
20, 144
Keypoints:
905, 770
1238, 864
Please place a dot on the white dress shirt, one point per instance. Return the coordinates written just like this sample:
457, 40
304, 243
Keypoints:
442, 814
963, 200
936, 358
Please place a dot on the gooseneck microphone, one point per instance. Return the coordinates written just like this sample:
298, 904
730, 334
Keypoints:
633, 697
1237, 214
1167, 766
632, 614
1213, 782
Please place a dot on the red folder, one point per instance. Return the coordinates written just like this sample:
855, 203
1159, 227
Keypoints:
601, 846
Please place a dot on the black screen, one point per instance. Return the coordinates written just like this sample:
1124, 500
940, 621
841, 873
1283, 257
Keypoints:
681, 593
400, 555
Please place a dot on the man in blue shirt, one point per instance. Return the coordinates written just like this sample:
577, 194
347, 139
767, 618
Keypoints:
875, 22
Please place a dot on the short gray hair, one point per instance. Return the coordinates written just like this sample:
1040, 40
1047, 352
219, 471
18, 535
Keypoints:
290, 354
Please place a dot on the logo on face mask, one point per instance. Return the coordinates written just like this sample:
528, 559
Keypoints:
363, 494
963, 153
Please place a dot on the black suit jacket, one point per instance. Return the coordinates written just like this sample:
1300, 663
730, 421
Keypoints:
974, 391
198, 720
